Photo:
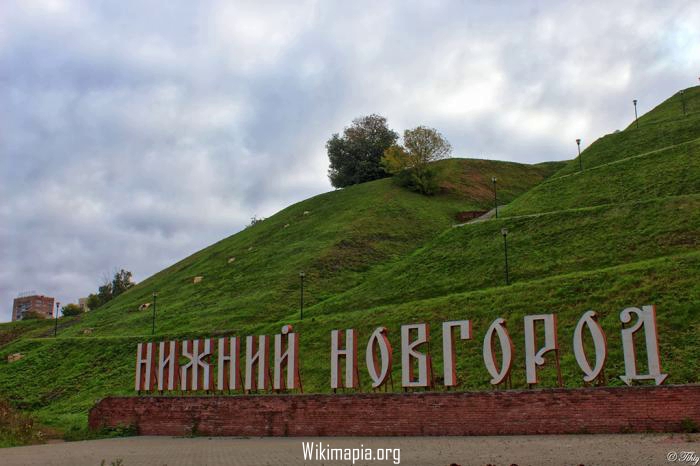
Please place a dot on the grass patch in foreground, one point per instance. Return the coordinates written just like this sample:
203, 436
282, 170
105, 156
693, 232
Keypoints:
18, 429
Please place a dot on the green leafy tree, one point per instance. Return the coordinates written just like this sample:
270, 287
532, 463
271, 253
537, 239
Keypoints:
93, 301
71, 310
121, 282
411, 163
104, 293
356, 155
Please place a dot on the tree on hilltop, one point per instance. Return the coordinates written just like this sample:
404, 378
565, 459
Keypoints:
411, 162
356, 155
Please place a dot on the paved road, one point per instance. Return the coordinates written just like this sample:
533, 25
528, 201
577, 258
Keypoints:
522, 450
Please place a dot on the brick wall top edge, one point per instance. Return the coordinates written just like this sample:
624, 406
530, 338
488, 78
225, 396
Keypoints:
419, 394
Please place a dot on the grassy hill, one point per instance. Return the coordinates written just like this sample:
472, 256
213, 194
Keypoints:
623, 232
661, 128
335, 238
471, 257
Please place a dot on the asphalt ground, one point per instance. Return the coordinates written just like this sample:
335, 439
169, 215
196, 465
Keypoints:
630, 449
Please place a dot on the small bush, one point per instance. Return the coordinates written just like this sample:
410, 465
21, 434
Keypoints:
119, 431
71, 310
254, 220
76, 433
425, 181
689, 426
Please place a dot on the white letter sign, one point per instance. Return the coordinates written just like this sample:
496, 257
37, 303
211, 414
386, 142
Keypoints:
590, 320
144, 366
286, 357
646, 317
190, 377
261, 359
228, 374
448, 347
409, 354
189, 365
379, 372
350, 354
168, 359
532, 358
498, 327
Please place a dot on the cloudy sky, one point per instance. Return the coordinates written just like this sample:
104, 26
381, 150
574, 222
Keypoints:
135, 133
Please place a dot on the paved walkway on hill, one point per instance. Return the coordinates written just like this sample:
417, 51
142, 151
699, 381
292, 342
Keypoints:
589, 450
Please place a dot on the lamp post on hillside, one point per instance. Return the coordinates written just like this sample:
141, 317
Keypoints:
636, 120
301, 297
580, 164
682, 93
504, 232
153, 324
55, 320
495, 197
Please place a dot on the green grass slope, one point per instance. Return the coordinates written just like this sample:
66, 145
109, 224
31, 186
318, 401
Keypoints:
629, 207
662, 127
336, 238
666, 172
471, 257
624, 232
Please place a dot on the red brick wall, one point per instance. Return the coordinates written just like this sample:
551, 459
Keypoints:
540, 411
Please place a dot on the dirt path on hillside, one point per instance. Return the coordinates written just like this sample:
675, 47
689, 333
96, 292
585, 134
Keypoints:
589, 450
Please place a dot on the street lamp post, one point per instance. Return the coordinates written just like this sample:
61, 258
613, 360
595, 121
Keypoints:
636, 120
580, 164
55, 320
504, 232
682, 93
495, 196
153, 323
301, 297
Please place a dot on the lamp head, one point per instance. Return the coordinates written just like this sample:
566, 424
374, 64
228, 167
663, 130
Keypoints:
504, 231
578, 141
634, 101
302, 274
493, 179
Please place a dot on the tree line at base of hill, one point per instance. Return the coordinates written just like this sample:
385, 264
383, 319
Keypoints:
369, 150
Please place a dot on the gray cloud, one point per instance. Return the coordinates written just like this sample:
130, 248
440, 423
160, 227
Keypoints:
133, 134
